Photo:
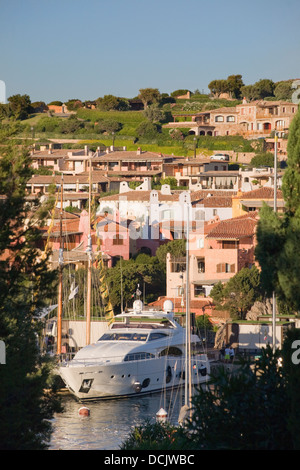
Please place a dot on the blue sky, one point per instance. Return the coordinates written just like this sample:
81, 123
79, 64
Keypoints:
63, 49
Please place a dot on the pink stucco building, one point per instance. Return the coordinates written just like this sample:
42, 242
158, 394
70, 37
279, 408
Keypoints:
218, 250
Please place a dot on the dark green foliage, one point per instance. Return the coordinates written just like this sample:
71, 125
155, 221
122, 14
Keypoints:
259, 90
278, 251
291, 179
270, 239
20, 106
176, 248
232, 85
145, 270
255, 408
239, 293
263, 159
247, 410
157, 436
25, 404
147, 130
108, 125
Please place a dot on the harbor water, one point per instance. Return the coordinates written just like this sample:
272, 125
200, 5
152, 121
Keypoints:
110, 421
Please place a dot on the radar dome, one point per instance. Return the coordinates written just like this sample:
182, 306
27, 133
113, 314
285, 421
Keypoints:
168, 306
137, 305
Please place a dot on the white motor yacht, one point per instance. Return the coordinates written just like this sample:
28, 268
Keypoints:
143, 351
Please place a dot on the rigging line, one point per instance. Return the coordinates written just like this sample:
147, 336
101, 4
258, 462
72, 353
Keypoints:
51, 224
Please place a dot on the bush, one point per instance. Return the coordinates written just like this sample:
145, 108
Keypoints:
147, 130
263, 159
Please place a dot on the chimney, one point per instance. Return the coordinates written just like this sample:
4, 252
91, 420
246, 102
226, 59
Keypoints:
85, 150
139, 151
50, 148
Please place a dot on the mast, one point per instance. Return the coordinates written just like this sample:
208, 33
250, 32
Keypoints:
188, 378
186, 410
275, 210
60, 273
89, 253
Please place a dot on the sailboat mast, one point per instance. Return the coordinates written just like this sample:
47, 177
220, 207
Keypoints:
89, 274
60, 272
188, 380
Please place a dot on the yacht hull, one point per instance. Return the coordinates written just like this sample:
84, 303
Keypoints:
93, 381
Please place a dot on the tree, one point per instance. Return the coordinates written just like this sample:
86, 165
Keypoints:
74, 104
256, 408
144, 271
239, 293
154, 114
180, 92
149, 96
264, 88
235, 84
107, 103
263, 159
147, 129
108, 125
175, 247
112, 103
20, 106
278, 251
283, 90
291, 179
217, 87
248, 410
71, 125
249, 92
260, 90
171, 181
27, 401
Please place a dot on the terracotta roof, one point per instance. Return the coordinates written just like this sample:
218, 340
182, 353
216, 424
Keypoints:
196, 304
65, 214
203, 193
106, 224
136, 195
216, 201
130, 155
261, 193
227, 110
55, 153
68, 179
68, 227
238, 227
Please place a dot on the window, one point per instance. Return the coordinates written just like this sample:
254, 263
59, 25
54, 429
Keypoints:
200, 243
201, 266
219, 119
230, 244
225, 268
178, 266
154, 336
117, 240
230, 119
139, 356
199, 290
123, 337
171, 351
200, 215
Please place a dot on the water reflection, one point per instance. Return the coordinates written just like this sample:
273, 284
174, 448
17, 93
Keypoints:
109, 422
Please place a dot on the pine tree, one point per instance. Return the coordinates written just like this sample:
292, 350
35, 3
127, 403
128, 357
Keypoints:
278, 250
27, 402
291, 179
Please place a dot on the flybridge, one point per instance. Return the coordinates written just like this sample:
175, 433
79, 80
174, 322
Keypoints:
138, 310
